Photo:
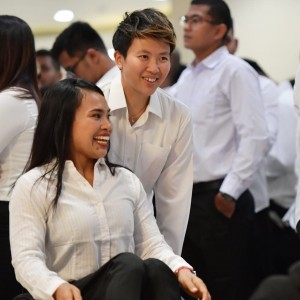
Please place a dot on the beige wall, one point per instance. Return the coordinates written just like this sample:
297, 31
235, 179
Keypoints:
268, 32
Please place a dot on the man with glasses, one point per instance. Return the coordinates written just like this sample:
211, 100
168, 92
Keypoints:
230, 139
82, 53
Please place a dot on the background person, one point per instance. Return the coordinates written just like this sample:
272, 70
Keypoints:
18, 112
230, 140
48, 68
82, 53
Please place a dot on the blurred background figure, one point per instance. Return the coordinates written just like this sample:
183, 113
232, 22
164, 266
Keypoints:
176, 68
259, 187
232, 42
48, 69
19, 99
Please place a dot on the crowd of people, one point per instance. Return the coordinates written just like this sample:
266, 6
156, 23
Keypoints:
139, 177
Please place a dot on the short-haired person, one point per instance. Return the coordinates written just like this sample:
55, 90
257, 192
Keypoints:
230, 140
82, 53
152, 132
19, 100
48, 68
82, 227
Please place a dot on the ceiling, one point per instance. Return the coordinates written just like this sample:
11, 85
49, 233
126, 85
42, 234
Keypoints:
99, 13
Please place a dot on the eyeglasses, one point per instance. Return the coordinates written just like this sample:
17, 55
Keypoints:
71, 71
194, 20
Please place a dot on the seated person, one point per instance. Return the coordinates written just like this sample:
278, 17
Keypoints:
81, 227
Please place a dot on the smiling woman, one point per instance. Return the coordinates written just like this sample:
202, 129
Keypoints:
72, 207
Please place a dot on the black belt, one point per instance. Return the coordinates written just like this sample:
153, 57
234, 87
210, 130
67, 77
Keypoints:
207, 185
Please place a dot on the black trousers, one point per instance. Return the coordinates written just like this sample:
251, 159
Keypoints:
221, 249
126, 276
9, 287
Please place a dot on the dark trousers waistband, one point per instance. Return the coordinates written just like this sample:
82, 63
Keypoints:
207, 185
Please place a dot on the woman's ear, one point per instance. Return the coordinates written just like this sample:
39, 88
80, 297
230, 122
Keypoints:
119, 59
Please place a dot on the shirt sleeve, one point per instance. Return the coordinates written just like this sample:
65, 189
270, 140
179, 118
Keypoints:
28, 215
252, 133
13, 117
173, 188
149, 242
297, 104
270, 94
281, 159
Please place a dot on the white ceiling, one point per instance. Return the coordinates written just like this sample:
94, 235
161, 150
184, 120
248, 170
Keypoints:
99, 13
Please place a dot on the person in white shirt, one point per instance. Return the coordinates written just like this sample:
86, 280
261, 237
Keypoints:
82, 53
297, 105
258, 187
80, 226
152, 131
19, 100
230, 139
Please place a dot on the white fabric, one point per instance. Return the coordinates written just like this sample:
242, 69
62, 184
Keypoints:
258, 187
158, 149
89, 226
297, 104
289, 217
281, 160
17, 123
108, 76
230, 134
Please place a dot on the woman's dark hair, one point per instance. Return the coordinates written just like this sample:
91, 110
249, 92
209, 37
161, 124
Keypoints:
17, 57
54, 126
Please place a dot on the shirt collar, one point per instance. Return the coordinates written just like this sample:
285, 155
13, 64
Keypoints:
108, 75
211, 61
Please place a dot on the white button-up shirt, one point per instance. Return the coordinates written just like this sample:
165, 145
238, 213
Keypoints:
17, 123
259, 187
158, 149
281, 161
90, 225
297, 104
230, 134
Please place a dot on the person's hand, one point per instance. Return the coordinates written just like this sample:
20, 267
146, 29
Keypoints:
193, 285
67, 291
225, 206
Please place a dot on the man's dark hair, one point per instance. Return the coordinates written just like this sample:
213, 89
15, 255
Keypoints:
47, 53
76, 39
219, 11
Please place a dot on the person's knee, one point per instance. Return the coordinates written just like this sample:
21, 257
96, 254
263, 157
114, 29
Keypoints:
129, 262
155, 266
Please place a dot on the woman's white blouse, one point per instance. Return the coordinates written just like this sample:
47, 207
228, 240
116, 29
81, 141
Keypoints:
17, 123
89, 226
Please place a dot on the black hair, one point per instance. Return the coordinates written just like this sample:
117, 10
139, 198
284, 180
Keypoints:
47, 53
53, 132
17, 57
219, 11
146, 23
76, 39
